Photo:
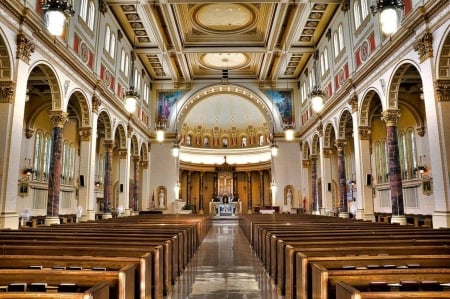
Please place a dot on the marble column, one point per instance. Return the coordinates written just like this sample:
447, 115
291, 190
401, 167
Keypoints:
215, 185
395, 179
235, 185
200, 194
343, 204
135, 198
249, 192
364, 198
107, 180
58, 119
314, 193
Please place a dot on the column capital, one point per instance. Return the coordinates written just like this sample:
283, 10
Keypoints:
442, 89
320, 129
144, 164
313, 158
305, 163
327, 151
390, 117
25, 47
108, 143
58, 118
364, 132
340, 144
424, 46
122, 153
7, 92
85, 133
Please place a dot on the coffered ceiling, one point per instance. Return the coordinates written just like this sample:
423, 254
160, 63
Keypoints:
187, 41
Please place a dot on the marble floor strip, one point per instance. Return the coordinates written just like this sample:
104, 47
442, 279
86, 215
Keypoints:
224, 267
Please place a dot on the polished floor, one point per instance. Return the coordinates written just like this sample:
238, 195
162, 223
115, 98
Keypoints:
224, 267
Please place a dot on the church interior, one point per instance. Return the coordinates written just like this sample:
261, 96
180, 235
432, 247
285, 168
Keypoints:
178, 122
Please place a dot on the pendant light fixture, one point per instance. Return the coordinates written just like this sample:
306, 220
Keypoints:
131, 95
176, 146
56, 13
389, 14
317, 95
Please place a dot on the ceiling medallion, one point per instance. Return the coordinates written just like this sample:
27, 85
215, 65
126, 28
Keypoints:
224, 60
224, 17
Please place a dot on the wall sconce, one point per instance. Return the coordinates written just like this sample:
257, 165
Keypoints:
56, 13
289, 132
160, 128
389, 14
97, 182
28, 169
421, 167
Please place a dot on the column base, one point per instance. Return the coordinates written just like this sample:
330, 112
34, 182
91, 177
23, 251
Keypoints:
323, 211
249, 211
441, 219
315, 212
359, 214
106, 216
344, 215
201, 212
50, 220
401, 219
9, 220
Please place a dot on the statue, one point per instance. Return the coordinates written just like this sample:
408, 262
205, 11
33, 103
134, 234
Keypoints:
161, 198
289, 198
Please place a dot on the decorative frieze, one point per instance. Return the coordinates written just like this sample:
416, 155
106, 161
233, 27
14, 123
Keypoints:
25, 47
424, 46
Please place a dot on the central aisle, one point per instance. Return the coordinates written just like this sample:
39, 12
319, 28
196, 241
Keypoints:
224, 267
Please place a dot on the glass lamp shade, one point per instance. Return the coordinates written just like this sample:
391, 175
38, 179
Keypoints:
175, 150
160, 135
389, 20
317, 102
274, 150
289, 134
130, 103
55, 19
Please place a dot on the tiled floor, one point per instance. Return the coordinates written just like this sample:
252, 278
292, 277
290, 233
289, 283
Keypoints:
224, 267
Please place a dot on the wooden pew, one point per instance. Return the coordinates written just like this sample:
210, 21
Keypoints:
324, 280
121, 283
346, 291
98, 291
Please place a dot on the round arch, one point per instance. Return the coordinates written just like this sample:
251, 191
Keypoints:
315, 145
85, 112
53, 82
120, 133
104, 126
397, 78
328, 135
366, 104
345, 116
5, 59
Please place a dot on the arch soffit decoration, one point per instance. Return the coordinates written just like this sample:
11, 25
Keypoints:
134, 146
105, 119
306, 150
345, 116
315, 146
144, 152
53, 81
258, 99
364, 115
420, 122
85, 113
396, 79
120, 133
328, 134
444, 47
6, 59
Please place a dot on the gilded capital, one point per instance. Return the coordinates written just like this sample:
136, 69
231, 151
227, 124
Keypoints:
424, 46
109, 144
6, 93
143, 164
327, 152
85, 133
122, 153
364, 132
25, 47
390, 117
340, 144
305, 163
353, 102
58, 118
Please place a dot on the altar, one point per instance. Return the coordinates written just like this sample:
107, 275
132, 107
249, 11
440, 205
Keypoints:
219, 208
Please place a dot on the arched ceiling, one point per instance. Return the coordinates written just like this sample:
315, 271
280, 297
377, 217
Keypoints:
224, 111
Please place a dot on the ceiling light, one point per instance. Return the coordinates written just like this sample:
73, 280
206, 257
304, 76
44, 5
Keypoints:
56, 13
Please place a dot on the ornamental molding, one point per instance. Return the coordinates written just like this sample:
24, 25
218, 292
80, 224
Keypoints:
25, 47
424, 46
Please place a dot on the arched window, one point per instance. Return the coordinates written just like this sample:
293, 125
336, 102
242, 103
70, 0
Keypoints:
311, 81
83, 10
91, 15
364, 10
68, 163
381, 161
38, 148
341, 37
325, 58
304, 93
46, 157
336, 44
357, 14
402, 155
122, 60
112, 46
127, 63
107, 38
412, 153
146, 92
